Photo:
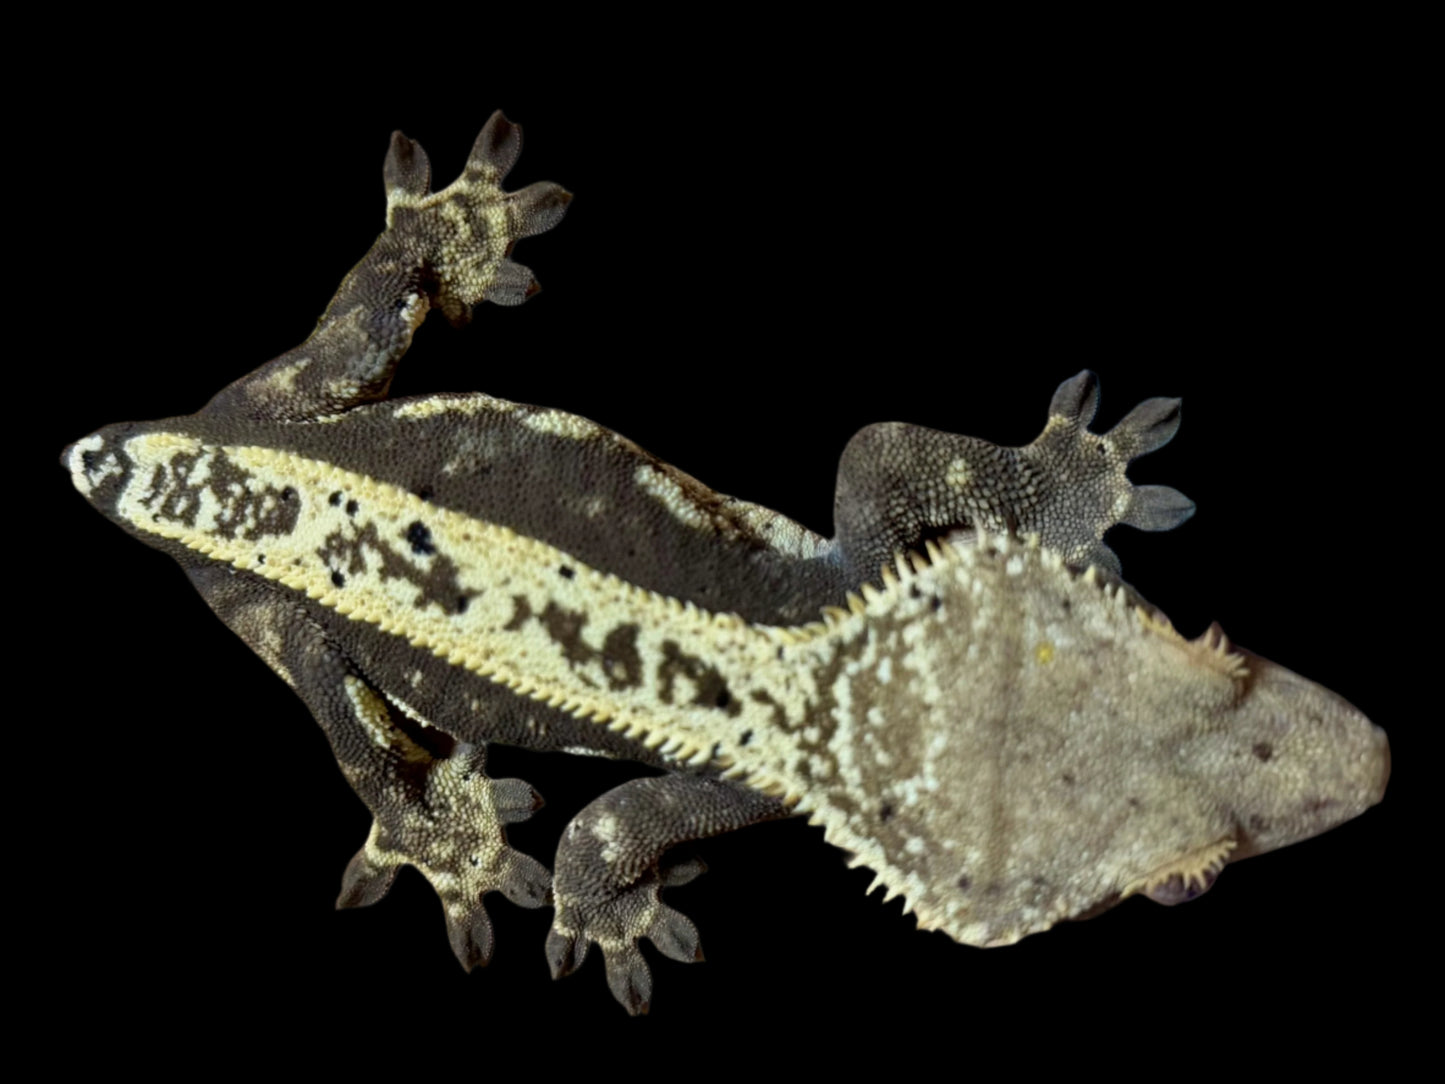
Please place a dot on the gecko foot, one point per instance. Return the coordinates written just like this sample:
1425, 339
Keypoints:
616, 922
453, 833
1086, 490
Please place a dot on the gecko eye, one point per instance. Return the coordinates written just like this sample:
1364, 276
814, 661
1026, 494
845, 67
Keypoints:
1179, 888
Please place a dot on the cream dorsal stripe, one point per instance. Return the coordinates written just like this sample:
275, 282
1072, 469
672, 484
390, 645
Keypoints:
367, 548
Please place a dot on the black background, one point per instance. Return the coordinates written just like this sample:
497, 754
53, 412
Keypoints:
765, 252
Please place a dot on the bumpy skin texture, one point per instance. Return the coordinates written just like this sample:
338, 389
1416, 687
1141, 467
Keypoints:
1005, 738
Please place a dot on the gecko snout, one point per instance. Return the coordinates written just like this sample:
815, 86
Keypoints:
1309, 759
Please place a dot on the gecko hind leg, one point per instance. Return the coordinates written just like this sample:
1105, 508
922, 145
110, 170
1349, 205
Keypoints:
449, 826
432, 803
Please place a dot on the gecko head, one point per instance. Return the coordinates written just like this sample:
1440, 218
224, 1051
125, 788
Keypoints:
1291, 760
1024, 744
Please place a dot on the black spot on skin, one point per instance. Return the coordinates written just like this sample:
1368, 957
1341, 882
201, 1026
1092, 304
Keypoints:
566, 573
1068, 778
260, 558
338, 579
964, 883
423, 492
724, 698
935, 604
334, 499
1134, 803
419, 536
885, 812
1263, 750
1068, 604
914, 592
351, 508
462, 604
87, 460
747, 736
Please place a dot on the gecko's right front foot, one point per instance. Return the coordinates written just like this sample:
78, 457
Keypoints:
1083, 486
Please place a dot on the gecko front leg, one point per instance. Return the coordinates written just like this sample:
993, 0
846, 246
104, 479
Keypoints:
900, 485
433, 805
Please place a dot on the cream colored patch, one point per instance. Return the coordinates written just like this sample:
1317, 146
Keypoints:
282, 381
558, 423
371, 713
464, 405
660, 484
608, 832
785, 535
958, 475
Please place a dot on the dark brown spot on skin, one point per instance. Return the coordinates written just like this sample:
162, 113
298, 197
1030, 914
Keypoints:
260, 511
521, 611
1263, 750
439, 584
964, 883
712, 690
352, 507
565, 628
1068, 778
566, 572
335, 499
885, 812
621, 660
337, 579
